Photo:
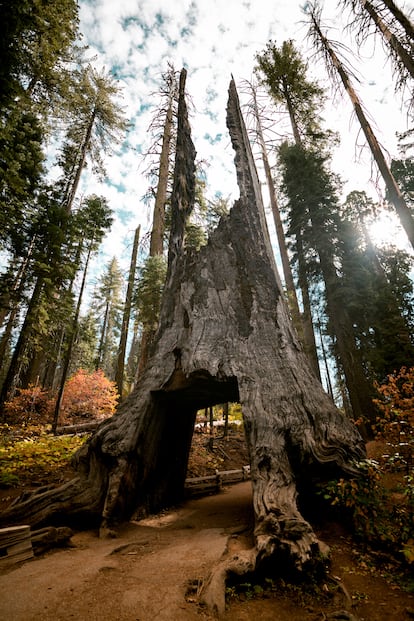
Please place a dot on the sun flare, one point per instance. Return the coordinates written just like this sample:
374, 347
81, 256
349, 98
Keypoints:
386, 230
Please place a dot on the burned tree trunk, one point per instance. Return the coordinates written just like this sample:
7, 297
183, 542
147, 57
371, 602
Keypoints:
224, 335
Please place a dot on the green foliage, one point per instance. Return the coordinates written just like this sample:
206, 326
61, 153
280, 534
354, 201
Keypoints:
380, 513
379, 291
376, 517
37, 48
284, 73
84, 349
195, 236
35, 457
21, 168
149, 291
37, 39
97, 123
109, 304
235, 412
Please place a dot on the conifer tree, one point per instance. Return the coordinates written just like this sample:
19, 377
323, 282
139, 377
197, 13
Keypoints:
312, 196
109, 303
257, 113
120, 365
283, 72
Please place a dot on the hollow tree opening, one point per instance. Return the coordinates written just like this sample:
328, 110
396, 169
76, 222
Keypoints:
175, 408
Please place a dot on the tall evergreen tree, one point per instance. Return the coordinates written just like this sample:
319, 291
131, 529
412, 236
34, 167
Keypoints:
284, 73
164, 128
96, 219
378, 290
257, 114
97, 125
312, 198
37, 50
86, 343
120, 365
109, 303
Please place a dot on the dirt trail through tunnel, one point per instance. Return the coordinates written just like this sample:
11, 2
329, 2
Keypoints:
143, 574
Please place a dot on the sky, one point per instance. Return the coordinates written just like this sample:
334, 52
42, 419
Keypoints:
213, 40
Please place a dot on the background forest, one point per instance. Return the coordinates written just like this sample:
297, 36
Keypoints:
351, 301
74, 340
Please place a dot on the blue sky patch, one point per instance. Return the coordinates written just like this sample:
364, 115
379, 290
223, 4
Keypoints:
213, 140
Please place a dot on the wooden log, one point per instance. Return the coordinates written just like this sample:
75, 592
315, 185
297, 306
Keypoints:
79, 428
46, 538
15, 545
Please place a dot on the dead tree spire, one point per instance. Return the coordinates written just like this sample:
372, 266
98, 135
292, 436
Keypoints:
183, 193
247, 177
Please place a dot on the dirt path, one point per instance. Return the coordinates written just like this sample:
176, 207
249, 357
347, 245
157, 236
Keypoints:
144, 574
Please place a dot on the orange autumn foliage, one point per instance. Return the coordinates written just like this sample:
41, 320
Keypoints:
29, 406
395, 425
87, 396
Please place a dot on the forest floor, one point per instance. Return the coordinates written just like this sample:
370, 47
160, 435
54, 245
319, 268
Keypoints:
153, 569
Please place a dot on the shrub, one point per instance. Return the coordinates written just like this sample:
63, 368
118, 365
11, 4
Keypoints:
30, 405
35, 456
395, 425
382, 513
88, 395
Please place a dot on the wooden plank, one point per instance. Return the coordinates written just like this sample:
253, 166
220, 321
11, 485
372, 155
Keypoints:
213, 482
15, 545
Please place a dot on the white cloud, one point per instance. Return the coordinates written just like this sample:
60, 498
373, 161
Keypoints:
213, 40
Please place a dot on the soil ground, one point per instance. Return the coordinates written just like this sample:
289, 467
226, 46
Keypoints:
153, 569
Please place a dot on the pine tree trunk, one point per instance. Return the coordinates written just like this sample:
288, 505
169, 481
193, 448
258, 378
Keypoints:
224, 335
359, 388
395, 195
309, 342
100, 357
158, 223
287, 271
390, 39
74, 180
72, 335
13, 374
120, 365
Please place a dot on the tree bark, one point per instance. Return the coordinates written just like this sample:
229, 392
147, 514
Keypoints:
12, 377
224, 335
120, 365
287, 271
72, 335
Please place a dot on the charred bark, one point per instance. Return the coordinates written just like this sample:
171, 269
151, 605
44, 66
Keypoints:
224, 335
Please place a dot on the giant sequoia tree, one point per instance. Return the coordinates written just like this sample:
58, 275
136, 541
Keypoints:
224, 335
